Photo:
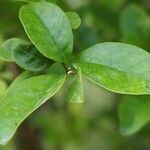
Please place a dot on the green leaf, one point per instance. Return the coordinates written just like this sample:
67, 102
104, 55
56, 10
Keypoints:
111, 5
134, 113
74, 19
8, 47
118, 67
29, 58
24, 96
134, 25
75, 93
52, 1
3, 87
49, 29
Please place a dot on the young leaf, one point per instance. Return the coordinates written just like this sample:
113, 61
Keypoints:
29, 58
118, 67
49, 29
134, 113
75, 93
8, 47
74, 19
23, 97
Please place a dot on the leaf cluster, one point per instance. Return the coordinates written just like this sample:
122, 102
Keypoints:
49, 60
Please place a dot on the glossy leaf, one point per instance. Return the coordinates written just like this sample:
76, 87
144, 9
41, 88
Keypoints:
29, 58
8, 47
118, 67
75, 92
134, 113
74, 19
24, 96
49, 29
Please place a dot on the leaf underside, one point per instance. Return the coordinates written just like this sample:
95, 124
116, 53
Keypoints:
75, 92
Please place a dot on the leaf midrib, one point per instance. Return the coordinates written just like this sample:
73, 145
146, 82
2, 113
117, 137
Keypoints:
131, 73
41, 101
49, 33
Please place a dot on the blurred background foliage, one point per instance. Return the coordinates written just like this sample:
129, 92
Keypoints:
59, 125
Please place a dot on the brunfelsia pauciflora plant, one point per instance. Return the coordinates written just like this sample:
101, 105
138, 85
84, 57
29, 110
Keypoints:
48, 60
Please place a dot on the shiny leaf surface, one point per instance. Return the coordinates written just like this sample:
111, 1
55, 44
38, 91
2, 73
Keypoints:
49, 29
29, 58
118, 67
8, 47
24, 96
